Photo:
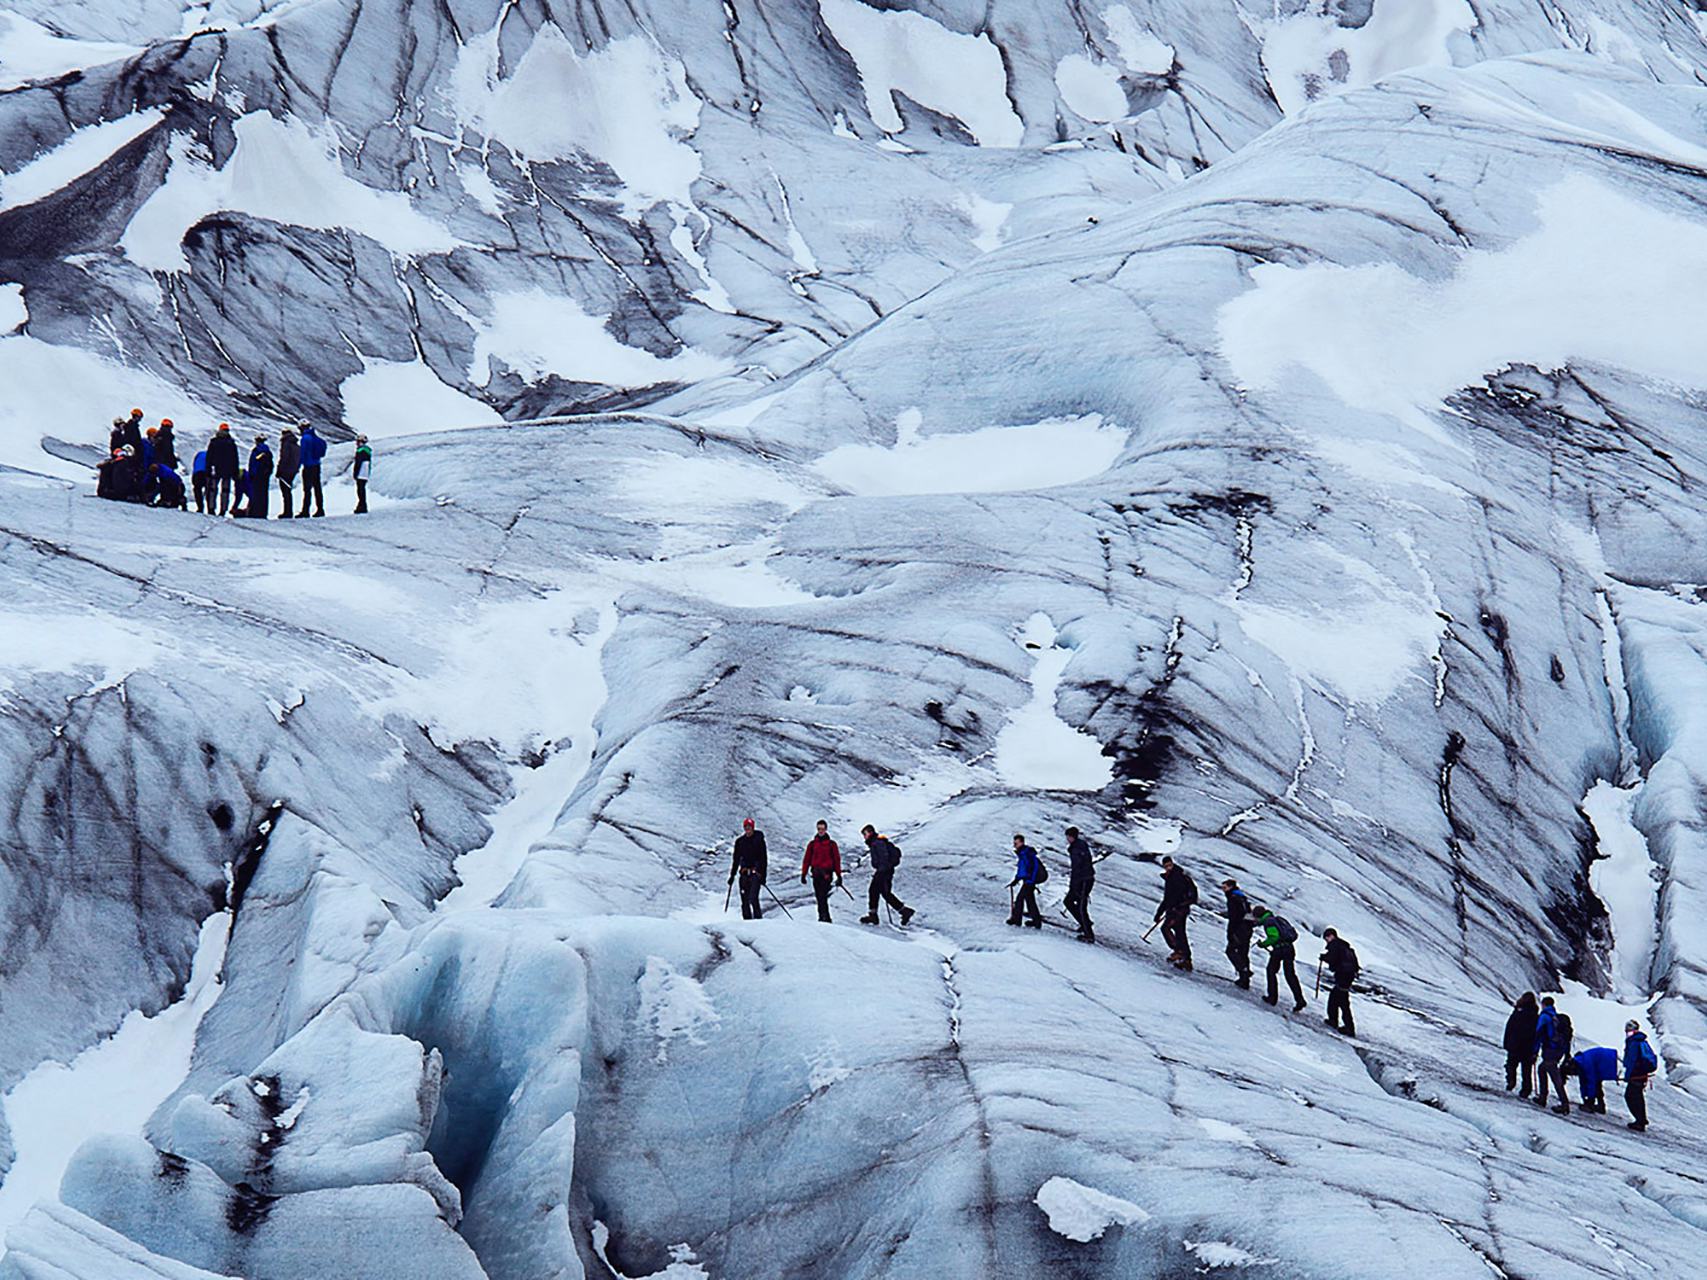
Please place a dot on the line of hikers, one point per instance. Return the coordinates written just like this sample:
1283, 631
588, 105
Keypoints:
1543, 1032
142, 465
822, 863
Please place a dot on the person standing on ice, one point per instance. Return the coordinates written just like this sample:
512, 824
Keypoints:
362, 469
884, 858
260, 477
1239, 926
1342, 963
1179, 894
198, 482
290, 462
313, 452
1553, 1038
751, 864
1280, 940
1028, 874
1593, 1068
222, 467
1081, 878
823, 861
1520, 1044
166, 444
1640, 1063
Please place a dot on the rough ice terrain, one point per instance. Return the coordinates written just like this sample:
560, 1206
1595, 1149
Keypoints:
1269, 433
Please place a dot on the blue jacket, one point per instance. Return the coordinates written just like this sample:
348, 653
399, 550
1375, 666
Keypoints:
1634, 1065
199, 466
261, 462
1597, 1067
1026, 871
1547, 1037
313, 448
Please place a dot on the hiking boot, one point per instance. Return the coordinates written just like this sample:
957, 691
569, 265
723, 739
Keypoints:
1561, 1110
1087, 936
1637, 1125
1243, 982
1271, 999
871, 919
1034, 924
1348, 1030
907, 913
1300, 1006
1013, 919
1184, 966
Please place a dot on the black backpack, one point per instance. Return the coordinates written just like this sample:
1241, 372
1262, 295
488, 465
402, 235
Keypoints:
1563, 1029
1284, 928
1042, 871
1190, 892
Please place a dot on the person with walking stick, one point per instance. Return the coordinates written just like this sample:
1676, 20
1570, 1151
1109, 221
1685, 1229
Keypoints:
823, 861
1028, 874
750, 865
1342, 960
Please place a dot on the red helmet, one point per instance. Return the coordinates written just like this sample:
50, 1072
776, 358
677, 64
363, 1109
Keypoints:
748, 824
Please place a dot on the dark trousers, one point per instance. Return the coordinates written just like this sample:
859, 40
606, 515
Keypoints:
1636, 1098
204, 498
1025, 904
822, 883
1514, 1062
1552, 1069
1593, 1102
1339, 1005
311, 488
1078, 904
258, 501
1173, 933
750, 885
1282, 956
883, 886
285, 500
361, 497
1239, 950
226, 487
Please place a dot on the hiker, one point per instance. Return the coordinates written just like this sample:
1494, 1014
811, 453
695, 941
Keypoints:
116, 437
145, 466
884, 858
751, 864
1593, 1068
113, 477
1520, 1043
311, 451
1553, 1039
130, 430
823, 859
1179, 894
1028, 874
362, 470
1280, 940
290, 461
1239, 926
199, 484
166, 445
259, 478
222, 467
1081, 878
1342, 963
168, 487
1640, 1063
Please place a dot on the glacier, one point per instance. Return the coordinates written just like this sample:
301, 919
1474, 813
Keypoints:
1264, 434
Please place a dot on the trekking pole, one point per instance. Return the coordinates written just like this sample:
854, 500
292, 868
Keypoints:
779, 902
1318, 977
726, 893
1145, 936
844, 889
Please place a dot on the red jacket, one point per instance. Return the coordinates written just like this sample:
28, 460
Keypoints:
822, 855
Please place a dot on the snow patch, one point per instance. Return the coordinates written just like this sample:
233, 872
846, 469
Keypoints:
1090, 88
1141, 51
85, 149
987, 217
106, 649
1599, 1020
539, 335
397, 398
528, 816
1040, 455
1308, 54
1036, 748
1387, 341
1221, 1131
908, 800
30, 52
1214, 1254
14, 315
1083, 1213
1623, 879
673, 1006
683, 1261
284, 171
897, 51
626, 106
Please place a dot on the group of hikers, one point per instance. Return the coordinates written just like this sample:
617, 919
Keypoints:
1533, 1030
1541, 1034
143, 465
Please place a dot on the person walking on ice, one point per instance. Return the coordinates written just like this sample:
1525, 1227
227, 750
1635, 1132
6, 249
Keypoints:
1520, 1043
823, 861
312, 451
290, 462
1342, 963
884, 857
1239, 926
1640, 1063
1280, 940
751, 864
1179, 895
1081, 878
1028, 874
362, 469
1553, 1037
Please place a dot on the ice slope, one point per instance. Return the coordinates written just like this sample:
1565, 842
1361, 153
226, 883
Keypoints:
1366, 643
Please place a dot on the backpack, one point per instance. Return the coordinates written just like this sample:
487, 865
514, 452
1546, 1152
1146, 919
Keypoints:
896, 850
1284, 928
1042, 872
1190, 892
1562, 1029
1645, 1058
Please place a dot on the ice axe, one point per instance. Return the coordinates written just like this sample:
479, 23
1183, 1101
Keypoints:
779, 902
1318, 978
726, 893
845, 890
1145, 936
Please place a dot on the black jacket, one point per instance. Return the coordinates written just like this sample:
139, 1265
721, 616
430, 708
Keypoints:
1081, 873
222, 456
1179, 891
750, 854
1239, 922
1342, 960
882, 855
290, 460
166, 448
1520, 1032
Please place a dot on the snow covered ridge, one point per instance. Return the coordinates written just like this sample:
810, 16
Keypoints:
1108, 526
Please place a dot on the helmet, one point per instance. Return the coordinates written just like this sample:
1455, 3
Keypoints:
748, 824
119, 422
165, 422
302, 422
152, 431
225, 426
361, 439
136, 413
